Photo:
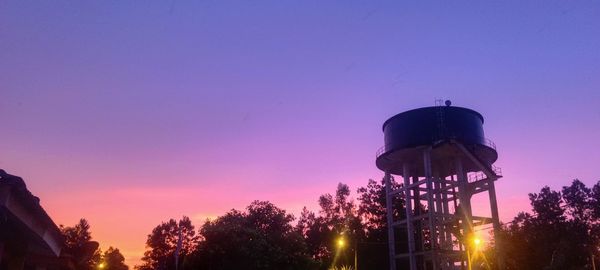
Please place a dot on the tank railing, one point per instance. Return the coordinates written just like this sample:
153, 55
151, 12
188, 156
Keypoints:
497, 170
474, 177
487, 142
380, 151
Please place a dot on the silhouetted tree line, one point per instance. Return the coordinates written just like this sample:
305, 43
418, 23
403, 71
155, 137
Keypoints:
562, 233
85, 254
267, 237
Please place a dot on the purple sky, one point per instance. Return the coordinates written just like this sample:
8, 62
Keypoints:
129, 113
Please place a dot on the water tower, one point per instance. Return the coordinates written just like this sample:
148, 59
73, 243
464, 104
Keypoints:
443, 159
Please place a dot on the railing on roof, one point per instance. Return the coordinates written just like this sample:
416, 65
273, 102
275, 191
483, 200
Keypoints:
487, 142
380, 151
474, 177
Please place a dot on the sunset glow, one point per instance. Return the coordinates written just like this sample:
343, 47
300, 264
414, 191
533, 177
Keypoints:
130, 114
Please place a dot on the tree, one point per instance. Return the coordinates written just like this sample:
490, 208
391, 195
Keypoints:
372, 211
562, 233
317, 235
338, 218
259, 238
112, 259
595, 201
578, 201
78, 245
162, 243
547, 205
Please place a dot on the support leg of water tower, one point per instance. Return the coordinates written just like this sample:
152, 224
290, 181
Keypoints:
464, 197
439, 201
390, 220
447, 211
441, 219
446, 244
409, 218
496, 221
418, 224
431, 210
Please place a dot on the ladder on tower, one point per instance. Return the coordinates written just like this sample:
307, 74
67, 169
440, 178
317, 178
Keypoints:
439, 103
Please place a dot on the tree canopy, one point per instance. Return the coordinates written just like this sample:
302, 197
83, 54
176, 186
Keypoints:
261, 237
163, 241
562, 232
112, 259
85, 253
78, 245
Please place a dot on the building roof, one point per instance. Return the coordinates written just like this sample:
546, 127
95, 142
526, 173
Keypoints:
24, 211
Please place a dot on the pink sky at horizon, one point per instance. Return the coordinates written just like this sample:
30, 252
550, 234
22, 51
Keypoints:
123, 217
128, 114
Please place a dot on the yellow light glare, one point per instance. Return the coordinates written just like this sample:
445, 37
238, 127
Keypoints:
477, 241
341, 242
101, 265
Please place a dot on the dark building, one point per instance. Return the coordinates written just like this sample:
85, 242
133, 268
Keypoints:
29, 239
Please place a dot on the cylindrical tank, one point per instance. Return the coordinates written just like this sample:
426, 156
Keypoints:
408, 133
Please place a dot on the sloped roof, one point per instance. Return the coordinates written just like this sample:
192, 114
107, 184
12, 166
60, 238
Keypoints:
25, 210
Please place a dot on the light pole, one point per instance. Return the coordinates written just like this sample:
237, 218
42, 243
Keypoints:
593, 260
356, 255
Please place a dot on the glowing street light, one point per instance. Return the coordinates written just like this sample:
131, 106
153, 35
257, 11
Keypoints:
341, 243
101, 265
477, 241
475, 247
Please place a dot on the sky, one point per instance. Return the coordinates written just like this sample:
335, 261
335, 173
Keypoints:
128, 113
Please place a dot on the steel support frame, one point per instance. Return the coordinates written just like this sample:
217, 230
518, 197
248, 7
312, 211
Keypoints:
442, 225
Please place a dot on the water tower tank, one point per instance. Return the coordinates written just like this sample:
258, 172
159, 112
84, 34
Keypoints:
407, 133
